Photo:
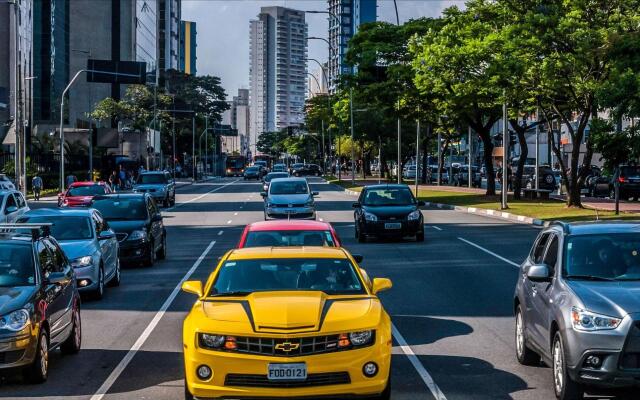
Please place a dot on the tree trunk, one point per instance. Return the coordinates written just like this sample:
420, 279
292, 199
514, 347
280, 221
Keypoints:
524, 153
443, 153
485, 135
425, 150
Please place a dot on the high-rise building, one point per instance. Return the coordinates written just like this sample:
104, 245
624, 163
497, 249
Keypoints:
188, 46
278, 72
351, 14
237, 116
169, 16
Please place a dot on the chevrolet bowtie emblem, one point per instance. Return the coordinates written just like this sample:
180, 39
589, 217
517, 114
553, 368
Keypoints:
287, 346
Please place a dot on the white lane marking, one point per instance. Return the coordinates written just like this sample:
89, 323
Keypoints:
229, 221
235, 213
490, 252
220, 233
119, 369
436, 228
320, 219
415, 361
201, 196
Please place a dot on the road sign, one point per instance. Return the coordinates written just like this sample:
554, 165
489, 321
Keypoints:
129, 72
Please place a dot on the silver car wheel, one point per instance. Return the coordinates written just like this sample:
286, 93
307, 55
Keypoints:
519, 335
44, 356
558, 367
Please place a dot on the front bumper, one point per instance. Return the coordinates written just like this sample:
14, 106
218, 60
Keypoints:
290, 212
378, 228
157, 195
19, 349
351, 362
134, 250
86, 278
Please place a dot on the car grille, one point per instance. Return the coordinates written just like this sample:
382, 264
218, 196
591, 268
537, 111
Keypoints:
631, 355
9, 357
122, 236
324, 379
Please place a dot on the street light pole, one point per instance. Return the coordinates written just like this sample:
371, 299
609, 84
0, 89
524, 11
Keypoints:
398, 171
193, 148
206, 144
505, 157
353, 156
470, 148
417, 153
537, 147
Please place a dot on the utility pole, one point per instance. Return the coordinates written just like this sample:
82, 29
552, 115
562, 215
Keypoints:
505, 157
439, 175
206, 144
353, 147
537, 148
193, 148
324, 159
398, 169
417, 153
470, 148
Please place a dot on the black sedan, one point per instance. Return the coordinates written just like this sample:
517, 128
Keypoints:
306, 170
253, 172
137, 222
39, 301
388, 210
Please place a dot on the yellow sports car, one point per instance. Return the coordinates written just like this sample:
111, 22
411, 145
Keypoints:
287, 322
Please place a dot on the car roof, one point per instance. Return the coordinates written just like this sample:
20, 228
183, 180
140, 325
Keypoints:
253, 253
121, 196
386, 186
289, 179
296, 225
598, 227
51, 212
86, 183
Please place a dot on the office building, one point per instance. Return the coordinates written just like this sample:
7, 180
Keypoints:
239, 120
351, 14
278, 73
169, 16
188, 46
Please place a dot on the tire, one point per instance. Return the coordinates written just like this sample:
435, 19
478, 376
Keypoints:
360, 236
98, 293
74, 342
115, 281
151, 255
386, 394
38, 371
162, 253
187, 393
612, 194
524, 354
420, 236
172, 202
565, 388
166, 202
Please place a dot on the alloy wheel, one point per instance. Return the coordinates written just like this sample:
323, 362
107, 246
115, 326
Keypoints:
44, 356
77, 337
558, 367
519, 335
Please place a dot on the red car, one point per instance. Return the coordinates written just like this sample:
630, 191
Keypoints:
80, 194
289, 233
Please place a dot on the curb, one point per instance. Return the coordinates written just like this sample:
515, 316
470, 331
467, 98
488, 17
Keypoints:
521, 219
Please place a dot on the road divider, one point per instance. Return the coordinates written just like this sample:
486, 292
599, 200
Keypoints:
119, 369
477, 246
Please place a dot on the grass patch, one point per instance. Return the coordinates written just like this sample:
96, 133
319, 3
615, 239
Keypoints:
542, 209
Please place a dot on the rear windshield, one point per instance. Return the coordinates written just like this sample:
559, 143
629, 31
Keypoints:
288, 187
269, 177
289, 238
65, 227
149, 179
121, 208
631, 171
252, 169
92, 190
16, 265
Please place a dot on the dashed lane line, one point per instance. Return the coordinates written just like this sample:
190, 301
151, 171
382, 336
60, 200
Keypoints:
477, 246
436, 228
119, 369
201, 196
235, 214
229, 222
220, 233
415, 361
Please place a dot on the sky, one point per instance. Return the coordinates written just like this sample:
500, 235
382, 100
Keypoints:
223, 31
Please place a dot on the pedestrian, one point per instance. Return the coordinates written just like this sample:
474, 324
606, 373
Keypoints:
113, 180
36, 185
122, 178
71, 178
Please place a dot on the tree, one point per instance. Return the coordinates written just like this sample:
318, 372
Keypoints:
272, 143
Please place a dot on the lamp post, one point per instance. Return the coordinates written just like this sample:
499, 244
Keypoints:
30, 79
505, 157
88, 53
324, 160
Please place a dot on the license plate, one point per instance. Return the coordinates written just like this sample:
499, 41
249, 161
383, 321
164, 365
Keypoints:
287, 372
289, 211
393, 225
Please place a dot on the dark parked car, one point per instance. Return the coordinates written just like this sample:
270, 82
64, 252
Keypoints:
253, 172
388, 210
546, 178
628, 177
306, 170
39, 301
137, 222
461, 177
599, 185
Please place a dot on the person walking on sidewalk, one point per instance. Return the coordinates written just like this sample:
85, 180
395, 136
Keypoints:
36, 185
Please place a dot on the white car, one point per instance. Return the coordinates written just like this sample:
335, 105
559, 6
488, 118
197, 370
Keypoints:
13, 206
5, 183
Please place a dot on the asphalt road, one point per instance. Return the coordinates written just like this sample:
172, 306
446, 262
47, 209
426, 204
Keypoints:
451, 304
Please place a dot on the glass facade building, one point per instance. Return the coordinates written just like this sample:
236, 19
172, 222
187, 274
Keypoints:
146, 23
188, 47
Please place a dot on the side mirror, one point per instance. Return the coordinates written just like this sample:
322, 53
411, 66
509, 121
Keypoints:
539, 273
356, 205
56, 278
193, 287
421, 203
105, 235
156, 218
381, 284
358, 257
315, 193
11, 209
263, 194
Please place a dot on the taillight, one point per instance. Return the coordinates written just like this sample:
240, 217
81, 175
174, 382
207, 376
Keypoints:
622, 179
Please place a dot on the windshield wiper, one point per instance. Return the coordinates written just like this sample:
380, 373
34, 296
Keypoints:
590, 278
238, 293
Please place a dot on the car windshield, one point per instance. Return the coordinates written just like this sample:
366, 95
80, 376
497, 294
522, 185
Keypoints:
297, 166
271, 176
288, 187
16, 265
64, 227
631, 171
150, 179
611, 256
389, 197
332, 276
252, 169
289, 238
121, 208
91, 190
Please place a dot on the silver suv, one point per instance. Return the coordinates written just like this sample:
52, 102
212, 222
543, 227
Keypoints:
159, 184
577, 306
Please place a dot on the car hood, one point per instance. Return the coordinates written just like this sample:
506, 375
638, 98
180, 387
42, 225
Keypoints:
156, 186
288, 198
399, 212
615, 299
126, 226
291, 312
13, 298
78, 248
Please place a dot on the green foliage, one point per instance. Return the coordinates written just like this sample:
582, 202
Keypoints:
616, 147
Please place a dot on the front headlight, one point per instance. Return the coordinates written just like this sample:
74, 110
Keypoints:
370, 217
587, 321
15, 321
135, 190
360, 338
269, 205
137, 235
414, 215
211, 341
81, 262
